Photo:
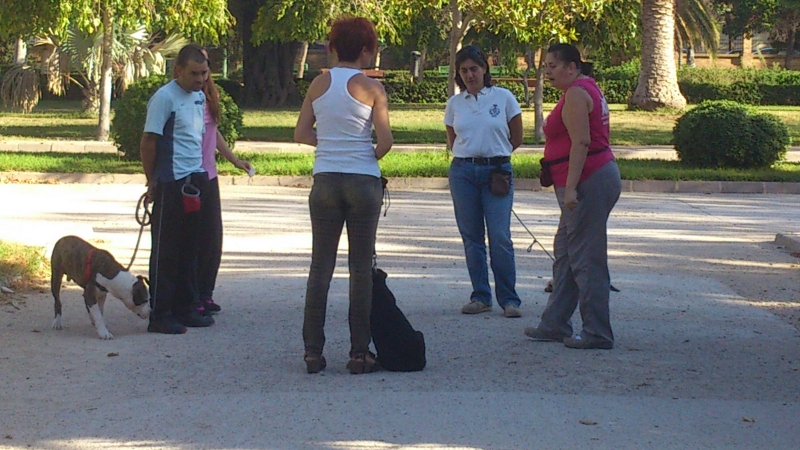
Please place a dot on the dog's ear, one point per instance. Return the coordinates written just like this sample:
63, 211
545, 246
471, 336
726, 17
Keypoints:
144, 280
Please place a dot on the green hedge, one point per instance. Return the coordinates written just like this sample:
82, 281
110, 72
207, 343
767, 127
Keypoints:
130, 112
726, 134
747, 86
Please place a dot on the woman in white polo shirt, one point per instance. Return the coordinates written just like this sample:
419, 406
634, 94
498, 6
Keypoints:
484, 125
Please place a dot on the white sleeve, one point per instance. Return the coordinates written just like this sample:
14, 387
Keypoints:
512, 106
449, 113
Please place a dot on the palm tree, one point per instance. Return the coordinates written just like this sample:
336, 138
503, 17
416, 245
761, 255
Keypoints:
695, 26
658, 78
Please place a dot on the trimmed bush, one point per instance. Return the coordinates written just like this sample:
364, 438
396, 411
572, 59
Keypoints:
726, 134
130, 113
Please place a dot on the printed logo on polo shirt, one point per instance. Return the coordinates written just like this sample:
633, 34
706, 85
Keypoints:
495, 111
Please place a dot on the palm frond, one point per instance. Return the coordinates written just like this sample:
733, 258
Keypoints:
695, 24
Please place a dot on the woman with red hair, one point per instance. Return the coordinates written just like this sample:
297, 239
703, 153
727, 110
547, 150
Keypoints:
345, 105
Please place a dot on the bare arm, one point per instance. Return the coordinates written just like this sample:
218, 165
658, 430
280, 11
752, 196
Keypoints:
147, 150
226, 151
576, 118
451, 137
304, 131
515, 127
380, 119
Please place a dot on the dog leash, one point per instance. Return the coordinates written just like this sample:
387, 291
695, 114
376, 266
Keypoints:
536, 241
143, 221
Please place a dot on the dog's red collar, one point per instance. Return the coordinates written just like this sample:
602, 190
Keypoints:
89, 266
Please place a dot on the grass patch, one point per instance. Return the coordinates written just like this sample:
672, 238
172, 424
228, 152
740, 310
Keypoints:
419, 164
411, 124
22, 266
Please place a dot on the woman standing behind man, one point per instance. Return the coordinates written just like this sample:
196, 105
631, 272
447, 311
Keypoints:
210, 254
484, 125
345, 104
587, 185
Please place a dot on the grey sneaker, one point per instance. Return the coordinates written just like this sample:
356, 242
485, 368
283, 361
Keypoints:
475, 307
512, 312
544, 335
580, 343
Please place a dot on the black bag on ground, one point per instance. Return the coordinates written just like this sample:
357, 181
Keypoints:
400, 348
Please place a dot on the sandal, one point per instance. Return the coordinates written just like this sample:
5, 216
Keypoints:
364, 363
315, 364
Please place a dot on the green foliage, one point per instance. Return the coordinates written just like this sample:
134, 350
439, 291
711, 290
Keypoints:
231, 120
131, 113
726, 134
749, 86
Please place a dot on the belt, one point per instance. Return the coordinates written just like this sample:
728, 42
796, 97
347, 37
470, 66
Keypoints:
495, 160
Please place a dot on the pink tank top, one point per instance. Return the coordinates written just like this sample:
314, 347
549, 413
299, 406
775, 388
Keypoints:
210, 145
558, 143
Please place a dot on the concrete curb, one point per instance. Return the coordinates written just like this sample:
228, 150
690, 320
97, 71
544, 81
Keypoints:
789, 241
674, 187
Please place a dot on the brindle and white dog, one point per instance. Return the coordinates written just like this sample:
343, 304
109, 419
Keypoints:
98, 273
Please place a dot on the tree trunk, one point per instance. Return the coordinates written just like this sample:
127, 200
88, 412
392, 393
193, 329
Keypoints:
538, 99
301, 67
104, 125
20, 52
267, 68
423, 56
658, 79
529, 63
461, 24
787, 63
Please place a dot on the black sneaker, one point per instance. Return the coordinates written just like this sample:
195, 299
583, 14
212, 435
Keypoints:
211, 307
195, 320
203, 311
166, 325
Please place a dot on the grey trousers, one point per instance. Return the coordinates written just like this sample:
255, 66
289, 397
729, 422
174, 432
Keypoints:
337, 199
580, 270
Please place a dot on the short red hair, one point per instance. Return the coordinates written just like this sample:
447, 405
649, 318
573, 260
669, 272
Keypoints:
351, 35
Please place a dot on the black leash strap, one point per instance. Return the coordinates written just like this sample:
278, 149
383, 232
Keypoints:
143, 221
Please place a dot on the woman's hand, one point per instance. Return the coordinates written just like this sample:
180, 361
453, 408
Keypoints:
571, 198
242, 165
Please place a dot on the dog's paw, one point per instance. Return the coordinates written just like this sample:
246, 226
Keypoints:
57, 323
105, 335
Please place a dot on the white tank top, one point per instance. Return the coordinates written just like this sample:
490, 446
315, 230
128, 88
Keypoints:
344, 129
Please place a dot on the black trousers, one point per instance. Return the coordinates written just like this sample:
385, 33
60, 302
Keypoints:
175, 237
210, 241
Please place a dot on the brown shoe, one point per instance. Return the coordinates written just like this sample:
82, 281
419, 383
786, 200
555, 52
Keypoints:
315, 364
585, 344
544, 335
362, 364
475, 307
511, 312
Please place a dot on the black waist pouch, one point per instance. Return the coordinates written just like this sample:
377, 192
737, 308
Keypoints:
500, 182
545, 177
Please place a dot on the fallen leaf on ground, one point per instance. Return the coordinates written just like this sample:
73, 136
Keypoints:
748, 419
113, 354
35, 331
588, 422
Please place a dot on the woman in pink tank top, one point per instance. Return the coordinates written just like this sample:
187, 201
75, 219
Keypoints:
587, 186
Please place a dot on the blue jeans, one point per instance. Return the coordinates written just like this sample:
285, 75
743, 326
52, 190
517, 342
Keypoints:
478, 211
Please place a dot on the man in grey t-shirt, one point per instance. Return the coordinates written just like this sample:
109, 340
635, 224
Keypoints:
172, 156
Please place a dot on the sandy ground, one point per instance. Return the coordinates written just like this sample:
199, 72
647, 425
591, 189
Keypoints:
707, 351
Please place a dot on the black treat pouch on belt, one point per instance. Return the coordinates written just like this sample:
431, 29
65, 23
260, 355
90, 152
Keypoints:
500, 182
545, 177
191, 196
